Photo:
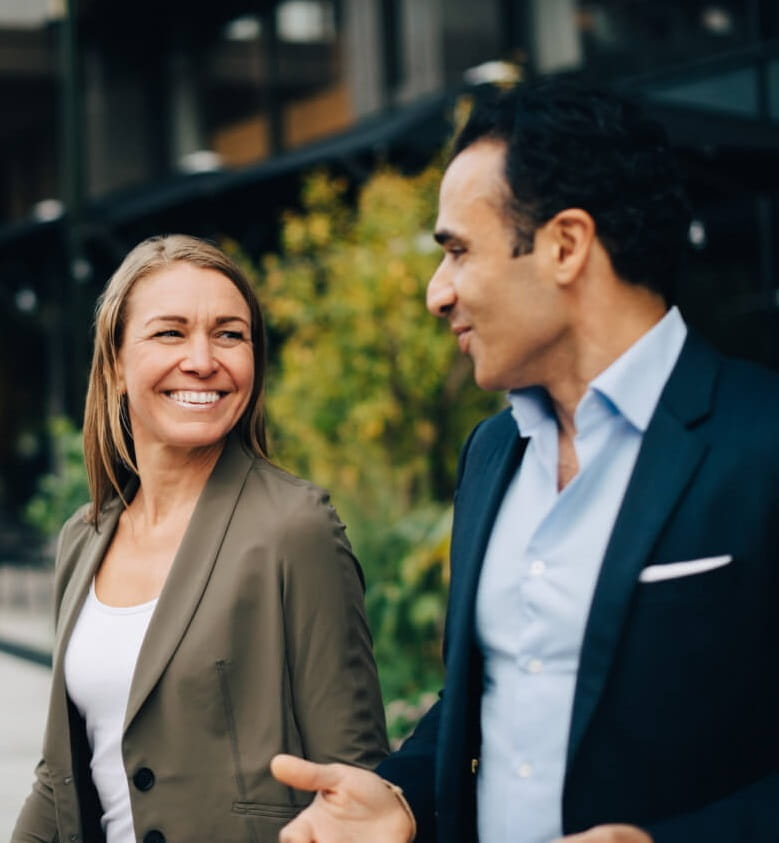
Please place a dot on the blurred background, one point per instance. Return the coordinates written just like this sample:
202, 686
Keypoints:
307, 138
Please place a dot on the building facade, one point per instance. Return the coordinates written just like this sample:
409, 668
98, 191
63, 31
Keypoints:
126, 119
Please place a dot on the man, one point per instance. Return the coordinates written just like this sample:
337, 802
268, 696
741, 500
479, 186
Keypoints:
612, 624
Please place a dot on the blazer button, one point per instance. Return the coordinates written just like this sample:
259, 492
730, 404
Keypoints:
143, 779
154, 836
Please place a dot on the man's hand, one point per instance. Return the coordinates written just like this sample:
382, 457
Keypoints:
351, 805
609, 834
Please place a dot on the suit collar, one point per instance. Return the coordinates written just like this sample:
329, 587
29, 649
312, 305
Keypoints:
188, 577
190, 571
91, 554
496, 451
489, 461
670, 455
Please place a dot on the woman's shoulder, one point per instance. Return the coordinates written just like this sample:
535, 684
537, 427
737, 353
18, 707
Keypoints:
265, 474
77, 528
292, 503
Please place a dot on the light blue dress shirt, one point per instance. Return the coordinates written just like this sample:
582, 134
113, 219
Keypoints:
538, 578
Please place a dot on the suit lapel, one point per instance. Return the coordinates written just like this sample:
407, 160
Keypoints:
492, 466
669, 457
190, 572
79, 581
490, 460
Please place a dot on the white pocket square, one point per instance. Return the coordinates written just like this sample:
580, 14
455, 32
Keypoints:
672, 570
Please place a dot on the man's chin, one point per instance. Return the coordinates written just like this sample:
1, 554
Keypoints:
488, 382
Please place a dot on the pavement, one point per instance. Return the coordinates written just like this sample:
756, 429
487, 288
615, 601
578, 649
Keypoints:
24, 695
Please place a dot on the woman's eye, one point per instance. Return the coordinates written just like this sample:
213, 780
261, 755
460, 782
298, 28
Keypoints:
231, 336
169, 332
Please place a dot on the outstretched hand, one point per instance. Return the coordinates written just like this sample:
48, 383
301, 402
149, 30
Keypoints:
609, 834
351, 805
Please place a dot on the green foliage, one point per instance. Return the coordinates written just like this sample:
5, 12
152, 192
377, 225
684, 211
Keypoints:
369, 396
60, 493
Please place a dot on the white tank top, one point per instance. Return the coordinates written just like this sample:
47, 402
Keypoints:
99, 666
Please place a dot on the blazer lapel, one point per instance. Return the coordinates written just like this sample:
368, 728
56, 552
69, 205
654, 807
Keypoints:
477, 507
670, 454
78, 584
190, 571
491, 459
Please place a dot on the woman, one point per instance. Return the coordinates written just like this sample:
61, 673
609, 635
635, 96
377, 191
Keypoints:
209, 608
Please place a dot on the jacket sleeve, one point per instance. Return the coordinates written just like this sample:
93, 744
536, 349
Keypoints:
749, 815
333, 676
37, 821
411, 768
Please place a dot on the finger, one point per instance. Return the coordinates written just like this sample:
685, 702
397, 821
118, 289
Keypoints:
614, 833
298, 831
304, 775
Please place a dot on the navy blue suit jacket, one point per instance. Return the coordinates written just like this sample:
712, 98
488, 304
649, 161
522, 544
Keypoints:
675, 723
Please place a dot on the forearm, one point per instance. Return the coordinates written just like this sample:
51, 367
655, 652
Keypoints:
412, 769
37, 820
335, 685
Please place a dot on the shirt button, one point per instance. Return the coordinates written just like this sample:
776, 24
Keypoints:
537, 568
143, 779
525, 771
535, 665
67, 780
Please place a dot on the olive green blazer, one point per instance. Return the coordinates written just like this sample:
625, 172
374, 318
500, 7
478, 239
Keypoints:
258, 644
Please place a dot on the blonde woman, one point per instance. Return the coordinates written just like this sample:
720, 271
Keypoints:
209, 607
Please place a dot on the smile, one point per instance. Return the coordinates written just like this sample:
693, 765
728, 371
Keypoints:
463, 339
190, 398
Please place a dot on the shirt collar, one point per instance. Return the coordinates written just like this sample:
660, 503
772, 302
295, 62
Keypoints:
632, 383
635, 380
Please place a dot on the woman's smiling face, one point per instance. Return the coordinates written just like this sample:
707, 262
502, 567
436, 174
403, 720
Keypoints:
186, 361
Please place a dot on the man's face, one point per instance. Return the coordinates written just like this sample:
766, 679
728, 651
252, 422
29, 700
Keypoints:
506, 311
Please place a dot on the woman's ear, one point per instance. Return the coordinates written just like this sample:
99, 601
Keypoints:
118, 379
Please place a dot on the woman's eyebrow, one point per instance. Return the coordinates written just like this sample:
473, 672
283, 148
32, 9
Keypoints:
166, 318
182, 320
220, 320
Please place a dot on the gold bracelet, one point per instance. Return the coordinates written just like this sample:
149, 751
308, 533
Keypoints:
398, 793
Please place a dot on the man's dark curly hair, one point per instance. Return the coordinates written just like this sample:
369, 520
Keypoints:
573, 146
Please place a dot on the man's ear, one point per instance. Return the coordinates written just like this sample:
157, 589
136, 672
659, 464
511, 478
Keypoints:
569, 237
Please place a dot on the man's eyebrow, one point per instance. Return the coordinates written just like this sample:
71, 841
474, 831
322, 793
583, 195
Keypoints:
444, 236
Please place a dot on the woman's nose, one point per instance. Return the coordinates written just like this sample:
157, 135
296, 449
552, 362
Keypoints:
200, 357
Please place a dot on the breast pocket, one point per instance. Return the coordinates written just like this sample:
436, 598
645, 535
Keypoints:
262, 821
694, 581
282, 813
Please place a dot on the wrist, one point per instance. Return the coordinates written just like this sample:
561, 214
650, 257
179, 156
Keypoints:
401, 799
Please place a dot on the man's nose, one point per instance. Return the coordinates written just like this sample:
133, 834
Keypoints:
440, 292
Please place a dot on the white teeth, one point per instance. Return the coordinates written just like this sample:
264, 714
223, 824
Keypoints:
188, 397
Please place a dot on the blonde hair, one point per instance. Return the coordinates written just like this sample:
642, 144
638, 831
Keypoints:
108, 446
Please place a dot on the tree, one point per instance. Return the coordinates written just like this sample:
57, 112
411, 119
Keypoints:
369, 396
